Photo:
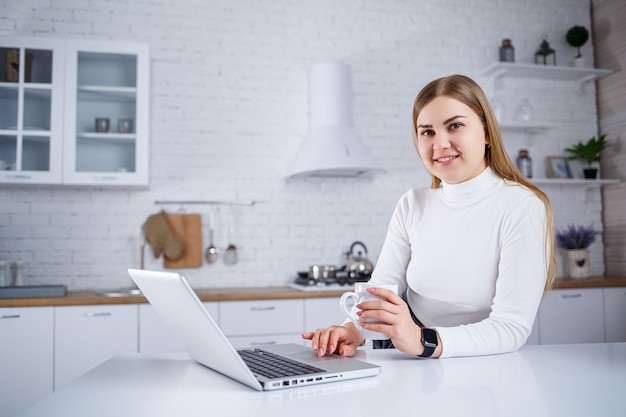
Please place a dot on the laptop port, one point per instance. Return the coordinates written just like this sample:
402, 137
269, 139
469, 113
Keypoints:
285, 383
294, 382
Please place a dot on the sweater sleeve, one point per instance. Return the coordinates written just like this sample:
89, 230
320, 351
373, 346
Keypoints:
522, 270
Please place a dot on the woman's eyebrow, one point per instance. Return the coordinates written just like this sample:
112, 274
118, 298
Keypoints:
445, 122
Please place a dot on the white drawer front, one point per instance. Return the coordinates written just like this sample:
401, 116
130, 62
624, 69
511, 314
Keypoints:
261, 317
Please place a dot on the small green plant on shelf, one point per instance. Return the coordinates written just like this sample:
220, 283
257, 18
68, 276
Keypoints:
589, 153
577, 36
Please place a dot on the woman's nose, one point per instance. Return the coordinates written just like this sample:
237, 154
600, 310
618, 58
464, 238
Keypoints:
441, 142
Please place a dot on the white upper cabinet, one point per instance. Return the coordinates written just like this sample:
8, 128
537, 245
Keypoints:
107, 83
52, 91
31, 116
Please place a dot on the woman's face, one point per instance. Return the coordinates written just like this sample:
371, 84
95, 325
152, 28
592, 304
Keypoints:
451, 140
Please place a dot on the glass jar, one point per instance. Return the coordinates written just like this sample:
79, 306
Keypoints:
507, 52
524, 163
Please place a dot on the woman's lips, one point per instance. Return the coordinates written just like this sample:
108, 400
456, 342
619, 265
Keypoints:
445, 160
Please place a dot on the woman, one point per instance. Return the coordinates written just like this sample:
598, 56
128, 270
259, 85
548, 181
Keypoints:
473, 254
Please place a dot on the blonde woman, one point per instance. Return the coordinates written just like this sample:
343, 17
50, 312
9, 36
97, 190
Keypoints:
472, 255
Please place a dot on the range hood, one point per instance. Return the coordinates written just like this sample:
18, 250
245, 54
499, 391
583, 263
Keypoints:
332, 148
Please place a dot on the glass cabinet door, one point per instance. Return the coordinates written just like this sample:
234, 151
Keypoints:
106, 114
31, 75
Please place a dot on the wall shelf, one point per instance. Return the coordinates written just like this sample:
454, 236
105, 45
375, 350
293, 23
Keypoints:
578, 75
574, 182
206, 202
525, 127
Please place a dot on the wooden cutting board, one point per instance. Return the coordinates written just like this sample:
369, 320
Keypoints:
188, 229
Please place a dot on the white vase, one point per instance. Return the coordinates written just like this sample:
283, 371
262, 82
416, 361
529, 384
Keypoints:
578, 263
579, 62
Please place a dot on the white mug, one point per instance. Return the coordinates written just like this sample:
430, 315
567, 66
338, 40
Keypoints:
350, 299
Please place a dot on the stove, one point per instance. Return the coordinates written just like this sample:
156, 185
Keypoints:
324, 287
324, 284
337, 283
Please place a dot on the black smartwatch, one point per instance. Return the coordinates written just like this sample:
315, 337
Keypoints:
429, 340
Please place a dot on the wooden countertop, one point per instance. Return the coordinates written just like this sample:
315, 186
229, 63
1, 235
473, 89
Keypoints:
205, 294
255, 293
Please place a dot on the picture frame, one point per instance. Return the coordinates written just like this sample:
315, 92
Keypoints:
558, 167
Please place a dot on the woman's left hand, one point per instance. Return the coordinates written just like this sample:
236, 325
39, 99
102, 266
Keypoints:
396, 320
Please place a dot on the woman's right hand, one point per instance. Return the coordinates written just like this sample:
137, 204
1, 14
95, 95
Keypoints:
343, 340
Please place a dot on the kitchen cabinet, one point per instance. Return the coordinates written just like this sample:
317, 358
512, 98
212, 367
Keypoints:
86, 336
154, 336
49, 135
110, 81
322, 312
26, 357
31, 120
615, 314
572, 316
262, 322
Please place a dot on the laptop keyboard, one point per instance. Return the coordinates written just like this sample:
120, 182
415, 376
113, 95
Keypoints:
271, 365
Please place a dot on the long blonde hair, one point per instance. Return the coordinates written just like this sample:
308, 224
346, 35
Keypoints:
465, 90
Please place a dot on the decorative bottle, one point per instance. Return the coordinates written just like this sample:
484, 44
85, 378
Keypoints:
17, 273
524, 163
507, 52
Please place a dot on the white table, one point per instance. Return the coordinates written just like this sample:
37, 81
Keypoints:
548, 380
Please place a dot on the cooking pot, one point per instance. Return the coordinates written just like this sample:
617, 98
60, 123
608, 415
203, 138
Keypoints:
318, 272
359, 267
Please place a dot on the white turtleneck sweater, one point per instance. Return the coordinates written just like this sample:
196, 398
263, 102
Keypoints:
473, 259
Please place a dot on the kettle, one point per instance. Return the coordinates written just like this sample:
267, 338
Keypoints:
359, 267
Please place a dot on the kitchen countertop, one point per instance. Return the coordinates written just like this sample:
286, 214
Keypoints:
255, 293
549, 380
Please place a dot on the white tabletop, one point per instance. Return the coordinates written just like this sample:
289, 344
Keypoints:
549, 380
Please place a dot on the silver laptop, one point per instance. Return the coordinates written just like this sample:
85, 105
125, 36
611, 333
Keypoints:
289, 365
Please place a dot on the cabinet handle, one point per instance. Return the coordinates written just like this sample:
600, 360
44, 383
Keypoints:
18, 176
269, 342
104, 314
12, 316
106, 178
571, 295
262, 308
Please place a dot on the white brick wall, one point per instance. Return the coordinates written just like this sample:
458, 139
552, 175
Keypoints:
229, 109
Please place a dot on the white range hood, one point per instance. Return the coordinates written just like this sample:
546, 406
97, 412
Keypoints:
332, 148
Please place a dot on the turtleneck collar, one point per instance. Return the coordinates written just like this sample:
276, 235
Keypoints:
476, 188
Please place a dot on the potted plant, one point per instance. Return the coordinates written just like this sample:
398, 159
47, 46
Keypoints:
576, 241
589, 153
577, 36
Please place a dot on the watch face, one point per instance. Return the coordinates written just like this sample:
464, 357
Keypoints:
429, 337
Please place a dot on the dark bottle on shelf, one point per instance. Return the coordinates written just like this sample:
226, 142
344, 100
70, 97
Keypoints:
507, 52
524, 163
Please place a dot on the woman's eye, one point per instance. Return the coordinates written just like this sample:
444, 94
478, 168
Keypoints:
455, 126
427, 133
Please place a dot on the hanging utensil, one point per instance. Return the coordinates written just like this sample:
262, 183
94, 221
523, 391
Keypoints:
230, 255
211, 253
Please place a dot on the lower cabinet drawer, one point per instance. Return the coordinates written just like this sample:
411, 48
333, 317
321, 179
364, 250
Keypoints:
572, 316
241, 318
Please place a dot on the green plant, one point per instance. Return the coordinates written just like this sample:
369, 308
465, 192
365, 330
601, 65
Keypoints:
576, 237
577, 36
588, 152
